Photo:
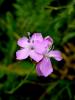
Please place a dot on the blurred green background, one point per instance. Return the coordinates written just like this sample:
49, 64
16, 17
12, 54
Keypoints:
18, 79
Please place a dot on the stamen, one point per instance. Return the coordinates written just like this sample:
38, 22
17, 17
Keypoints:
51, 48
28, 34
32, 48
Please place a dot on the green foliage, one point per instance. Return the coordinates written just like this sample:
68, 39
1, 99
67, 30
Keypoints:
1, 1
50, 17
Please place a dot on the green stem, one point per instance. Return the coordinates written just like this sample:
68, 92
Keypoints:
49, 89
21, 83
57, 8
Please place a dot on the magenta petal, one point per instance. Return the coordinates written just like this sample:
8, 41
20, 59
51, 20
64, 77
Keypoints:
48, 41
55, 54
22, 42
38, 70
22, 54
36, 37
40, 47
44, 67
35, 56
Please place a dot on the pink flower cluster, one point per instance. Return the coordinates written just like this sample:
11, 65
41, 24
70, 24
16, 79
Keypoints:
39, 49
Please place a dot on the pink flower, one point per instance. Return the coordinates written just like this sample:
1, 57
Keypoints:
39, 49
44, 67
33, 47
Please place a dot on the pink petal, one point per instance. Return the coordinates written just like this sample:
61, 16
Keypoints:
39, 47
36, 37
22, 42
55, 54
38, 71
48, 41
44, 67
22, 54
35, 56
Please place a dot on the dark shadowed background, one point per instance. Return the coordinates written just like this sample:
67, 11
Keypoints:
18, 79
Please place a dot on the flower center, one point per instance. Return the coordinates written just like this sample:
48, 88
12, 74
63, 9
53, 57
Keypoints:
46, 55
32, 48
